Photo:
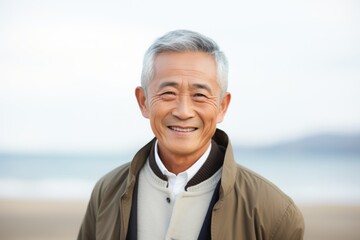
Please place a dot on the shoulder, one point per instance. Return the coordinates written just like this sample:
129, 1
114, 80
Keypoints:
112, 182
115, 175
257, 187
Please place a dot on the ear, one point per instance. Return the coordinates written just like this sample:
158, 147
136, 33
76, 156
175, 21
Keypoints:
225, 102
142, 101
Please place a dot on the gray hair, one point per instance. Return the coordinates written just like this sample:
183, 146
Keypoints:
184, 41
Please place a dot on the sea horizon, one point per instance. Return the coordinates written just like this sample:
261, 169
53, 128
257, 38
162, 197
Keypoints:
305, 177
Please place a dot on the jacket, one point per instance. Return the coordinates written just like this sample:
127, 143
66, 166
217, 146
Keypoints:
249, 206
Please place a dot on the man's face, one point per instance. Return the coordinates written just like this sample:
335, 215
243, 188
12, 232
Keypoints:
183, 103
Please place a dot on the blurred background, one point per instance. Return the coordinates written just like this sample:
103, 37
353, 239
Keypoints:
68, 115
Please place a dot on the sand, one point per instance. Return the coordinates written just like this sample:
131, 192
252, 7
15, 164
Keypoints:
60, 220
331, 222
40, 220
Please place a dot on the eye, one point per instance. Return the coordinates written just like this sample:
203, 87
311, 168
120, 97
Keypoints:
168, 95
200, 96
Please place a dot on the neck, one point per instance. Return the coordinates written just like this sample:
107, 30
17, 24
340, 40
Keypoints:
177, 163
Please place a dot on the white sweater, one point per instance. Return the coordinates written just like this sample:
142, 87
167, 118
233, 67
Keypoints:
160, 216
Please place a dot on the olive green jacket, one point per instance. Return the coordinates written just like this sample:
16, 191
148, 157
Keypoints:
249, 206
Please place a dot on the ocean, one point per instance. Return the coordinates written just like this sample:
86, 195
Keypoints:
306, 177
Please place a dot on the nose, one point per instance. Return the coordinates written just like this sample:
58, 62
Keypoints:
184, 108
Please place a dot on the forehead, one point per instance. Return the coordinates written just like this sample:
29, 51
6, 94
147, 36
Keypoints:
196, 65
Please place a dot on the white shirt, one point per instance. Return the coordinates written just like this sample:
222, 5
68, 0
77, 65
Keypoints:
177, 183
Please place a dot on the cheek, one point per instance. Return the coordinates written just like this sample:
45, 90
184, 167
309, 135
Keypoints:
209, 112
210, 108
155, 121
158, 111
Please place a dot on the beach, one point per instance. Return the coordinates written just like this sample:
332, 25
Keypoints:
331, 222
60, 220
40, 220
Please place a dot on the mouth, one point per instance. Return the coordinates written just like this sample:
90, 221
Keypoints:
182, 129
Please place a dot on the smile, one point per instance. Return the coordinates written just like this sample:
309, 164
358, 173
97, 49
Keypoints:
183, 130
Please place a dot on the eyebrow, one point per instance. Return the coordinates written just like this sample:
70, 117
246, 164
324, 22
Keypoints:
195, 85
202, 86
168, 84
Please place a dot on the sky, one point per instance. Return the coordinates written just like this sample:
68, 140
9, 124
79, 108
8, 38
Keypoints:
68, 69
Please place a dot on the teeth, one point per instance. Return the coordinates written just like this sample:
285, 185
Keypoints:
182, 129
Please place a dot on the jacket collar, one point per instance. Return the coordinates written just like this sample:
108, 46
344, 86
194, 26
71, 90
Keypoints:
229, 171
212, 164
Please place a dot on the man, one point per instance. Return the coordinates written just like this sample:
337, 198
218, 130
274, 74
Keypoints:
185, 183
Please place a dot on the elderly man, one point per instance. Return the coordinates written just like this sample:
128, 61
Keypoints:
185, 183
